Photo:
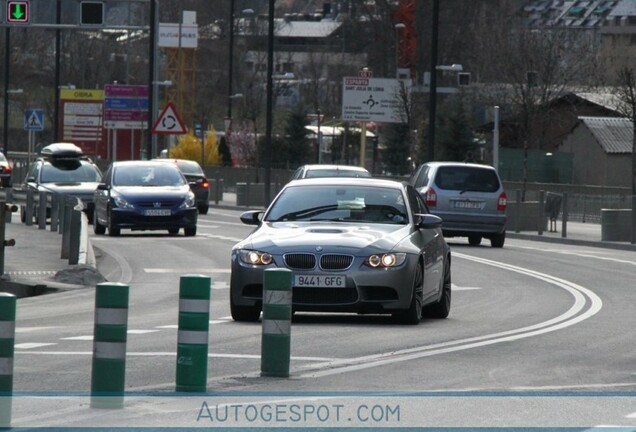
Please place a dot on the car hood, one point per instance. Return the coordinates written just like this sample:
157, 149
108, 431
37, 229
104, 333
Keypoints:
336, 237
153, 192
79, 188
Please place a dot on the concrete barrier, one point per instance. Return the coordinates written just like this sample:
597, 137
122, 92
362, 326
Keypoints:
616, 224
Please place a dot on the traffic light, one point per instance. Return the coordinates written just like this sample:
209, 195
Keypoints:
18, 12
92, 13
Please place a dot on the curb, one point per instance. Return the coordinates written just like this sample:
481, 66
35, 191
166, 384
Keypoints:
576, 242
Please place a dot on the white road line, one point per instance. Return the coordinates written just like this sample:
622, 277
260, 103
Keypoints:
32, 329
171, 326
200, 270
30, 345
586, 304
141, 331
460, 288
83, 338
580, 254
173, 354
220, 237
632, 415
205, 223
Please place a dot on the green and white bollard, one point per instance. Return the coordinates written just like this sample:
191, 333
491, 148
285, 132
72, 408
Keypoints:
7, 342
192, 340
277, 313
109, 345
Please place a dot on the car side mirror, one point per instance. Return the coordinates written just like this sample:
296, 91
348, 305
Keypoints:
252, 217
102, 186
428, 221
30, 180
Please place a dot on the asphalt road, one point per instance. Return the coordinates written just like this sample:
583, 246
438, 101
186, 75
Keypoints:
539, 335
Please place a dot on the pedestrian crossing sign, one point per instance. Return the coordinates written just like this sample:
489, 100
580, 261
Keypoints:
33, 120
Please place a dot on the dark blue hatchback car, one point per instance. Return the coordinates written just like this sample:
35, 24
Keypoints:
144, 195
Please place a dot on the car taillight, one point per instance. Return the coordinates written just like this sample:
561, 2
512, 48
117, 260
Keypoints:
502, 202
205, 184
7, 168
431, 197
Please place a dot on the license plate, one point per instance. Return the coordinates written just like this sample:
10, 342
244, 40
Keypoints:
319, 281
157, 212
467, 204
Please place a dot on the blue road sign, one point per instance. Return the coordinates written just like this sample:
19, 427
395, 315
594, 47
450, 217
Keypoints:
33, 120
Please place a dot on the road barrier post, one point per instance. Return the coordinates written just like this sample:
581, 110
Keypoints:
7, 342
28, 211
42, 198
277, 313
192, 340
55, 211
109, 345
66, 231
75, 237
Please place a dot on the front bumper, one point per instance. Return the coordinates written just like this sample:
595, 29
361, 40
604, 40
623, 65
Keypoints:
366, 290
132, 219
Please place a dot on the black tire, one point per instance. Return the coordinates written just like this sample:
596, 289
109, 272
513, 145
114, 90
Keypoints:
498, 240
441, 308
22, 214
190, 231
173, 231
413, 315
244, 313
474, 240
98, 228
203, 209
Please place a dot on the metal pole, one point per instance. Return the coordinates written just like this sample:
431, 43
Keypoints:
7, 63
495, 141
152, 77
267, 159
230, 62
433, 84
58, 47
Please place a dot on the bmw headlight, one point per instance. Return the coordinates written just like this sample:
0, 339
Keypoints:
385, 260
189, 201
253, 257
121, 202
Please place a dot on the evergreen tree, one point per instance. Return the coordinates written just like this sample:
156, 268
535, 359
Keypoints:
296, 149
455, 138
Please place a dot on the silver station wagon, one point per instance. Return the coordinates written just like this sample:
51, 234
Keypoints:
468, 197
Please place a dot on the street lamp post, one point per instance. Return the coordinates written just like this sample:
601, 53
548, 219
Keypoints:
267, 161
230, 63
398, 27
318, 137
433, 85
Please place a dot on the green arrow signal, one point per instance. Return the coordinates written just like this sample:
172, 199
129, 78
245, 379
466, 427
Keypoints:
17, 11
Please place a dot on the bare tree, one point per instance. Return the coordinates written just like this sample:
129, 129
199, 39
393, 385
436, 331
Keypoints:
525, 69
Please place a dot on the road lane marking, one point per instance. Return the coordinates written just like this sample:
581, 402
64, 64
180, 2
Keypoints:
586, 304
200, 270
580, 254
220, 237
141, 331
82, 338
33, 329
461, 288
173, 354
30, 345
216, 222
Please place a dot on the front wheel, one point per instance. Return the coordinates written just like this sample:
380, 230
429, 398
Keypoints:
190, 231
441, 308
203, 209
413, 315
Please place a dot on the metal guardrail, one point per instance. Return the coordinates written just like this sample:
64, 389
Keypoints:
62, 211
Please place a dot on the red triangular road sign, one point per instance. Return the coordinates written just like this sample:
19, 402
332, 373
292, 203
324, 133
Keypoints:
169, 122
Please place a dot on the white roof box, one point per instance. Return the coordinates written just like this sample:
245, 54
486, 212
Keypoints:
62, 150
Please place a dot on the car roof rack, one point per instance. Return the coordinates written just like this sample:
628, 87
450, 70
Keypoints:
62, 150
